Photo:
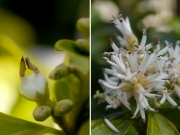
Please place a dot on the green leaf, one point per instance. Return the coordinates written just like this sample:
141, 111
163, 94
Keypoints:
98, 127
69, 46
159, 125
172, 115
83, 26
114, 115
14, 126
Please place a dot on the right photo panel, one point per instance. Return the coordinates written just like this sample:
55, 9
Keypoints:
135, 67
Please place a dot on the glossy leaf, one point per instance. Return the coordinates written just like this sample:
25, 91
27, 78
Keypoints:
69, 46
11, 125
172, 115
98, 127
159, 125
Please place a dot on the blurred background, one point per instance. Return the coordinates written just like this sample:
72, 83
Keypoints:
161, 18
31, 28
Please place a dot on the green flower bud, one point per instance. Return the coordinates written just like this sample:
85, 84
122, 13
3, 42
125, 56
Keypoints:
83, 26
42, 112
63, 70
59, 72
33, 87
63, 107
83, 45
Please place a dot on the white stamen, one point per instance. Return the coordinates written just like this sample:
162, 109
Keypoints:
120, 76
163, 98
142, 115
114, 47
125, 30
164, 50
170, 100
135, 113
109, 71
110, 86
144, 37
115, 59
128, 24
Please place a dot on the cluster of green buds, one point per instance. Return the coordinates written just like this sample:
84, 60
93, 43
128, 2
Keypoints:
83, 25
35, 88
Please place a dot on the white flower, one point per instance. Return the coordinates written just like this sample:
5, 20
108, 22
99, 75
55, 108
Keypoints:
33, 87
135, 71
124, 27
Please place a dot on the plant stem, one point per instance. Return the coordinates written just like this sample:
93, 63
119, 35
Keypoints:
63, 124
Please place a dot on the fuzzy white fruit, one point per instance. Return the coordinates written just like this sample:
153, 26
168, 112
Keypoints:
110, 125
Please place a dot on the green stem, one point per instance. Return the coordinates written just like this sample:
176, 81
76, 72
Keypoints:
61, 121
81, 103
77, 71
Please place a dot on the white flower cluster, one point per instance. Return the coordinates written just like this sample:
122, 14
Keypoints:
138, 72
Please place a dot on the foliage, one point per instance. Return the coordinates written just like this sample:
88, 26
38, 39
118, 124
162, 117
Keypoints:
158, 124
22, 127
98, 127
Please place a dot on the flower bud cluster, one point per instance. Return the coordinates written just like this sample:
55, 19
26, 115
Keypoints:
35, 88
138, 72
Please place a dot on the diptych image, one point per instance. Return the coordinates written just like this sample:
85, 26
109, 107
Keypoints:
44, 53
90, 67
134, 67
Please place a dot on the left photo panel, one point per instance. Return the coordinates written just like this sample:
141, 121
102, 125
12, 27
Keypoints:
45, 67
